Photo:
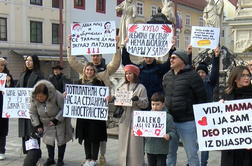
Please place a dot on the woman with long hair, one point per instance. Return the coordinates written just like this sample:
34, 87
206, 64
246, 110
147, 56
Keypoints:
91, 131
131, 148
239, 87
4, 122
28, 78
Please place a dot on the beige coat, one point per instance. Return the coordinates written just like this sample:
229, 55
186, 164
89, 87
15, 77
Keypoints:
104, 76
45, 112
131, 148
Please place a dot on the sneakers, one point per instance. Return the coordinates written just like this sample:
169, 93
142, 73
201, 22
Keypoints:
2, 156
92, 163
86, 163
49, 162
60, 162
102, 160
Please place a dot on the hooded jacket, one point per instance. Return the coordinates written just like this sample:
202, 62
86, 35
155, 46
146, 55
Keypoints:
45, 112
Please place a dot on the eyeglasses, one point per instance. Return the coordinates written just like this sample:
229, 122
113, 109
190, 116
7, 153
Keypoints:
173, 57
245, 76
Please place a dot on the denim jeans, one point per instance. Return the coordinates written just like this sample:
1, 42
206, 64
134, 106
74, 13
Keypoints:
186, 131
204, 158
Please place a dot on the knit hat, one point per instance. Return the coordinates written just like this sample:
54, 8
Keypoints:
182, 55
3, 61
132, 68
58, 67
202, 66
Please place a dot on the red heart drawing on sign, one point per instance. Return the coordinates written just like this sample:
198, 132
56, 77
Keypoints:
157, 132
203, 121
139, 132
121, 103
2, 82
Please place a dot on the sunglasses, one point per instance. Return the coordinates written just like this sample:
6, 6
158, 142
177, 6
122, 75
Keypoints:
173, 57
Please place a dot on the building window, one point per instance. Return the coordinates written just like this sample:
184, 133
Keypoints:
79, 4
177, 41
3, 29
55, 3
55, 34
100, 6
119, 14
187, 41
154, 9
140, 8
201, 21
36, 2
35, 32
188, 19
222, 33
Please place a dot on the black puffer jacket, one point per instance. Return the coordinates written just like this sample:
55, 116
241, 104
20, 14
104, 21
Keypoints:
182, 91
58, 81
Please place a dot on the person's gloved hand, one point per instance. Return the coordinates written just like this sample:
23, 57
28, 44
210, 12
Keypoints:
113, 99
135, 98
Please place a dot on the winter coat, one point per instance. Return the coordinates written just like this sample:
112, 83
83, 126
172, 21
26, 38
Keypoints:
237, 157
91, 130
131, 148
58, 81
45, 112
154, 145
150, 75
182, 91
25, 128
111, 68
4, 122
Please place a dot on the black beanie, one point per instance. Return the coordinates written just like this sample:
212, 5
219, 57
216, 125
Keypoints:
182, 55
202, 66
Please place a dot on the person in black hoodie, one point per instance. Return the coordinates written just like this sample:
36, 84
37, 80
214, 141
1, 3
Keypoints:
4, 122
183, 87
239, 87
31, 75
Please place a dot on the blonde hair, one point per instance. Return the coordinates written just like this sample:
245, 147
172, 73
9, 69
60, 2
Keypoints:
84, 77
3, 61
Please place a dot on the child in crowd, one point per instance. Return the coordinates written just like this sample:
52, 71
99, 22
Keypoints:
157, 148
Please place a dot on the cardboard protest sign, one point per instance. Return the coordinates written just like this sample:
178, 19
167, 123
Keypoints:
149, 123
16, 102
86, 102
205, 37
223, 126
93, 38
2, 81
123, 98
149, 40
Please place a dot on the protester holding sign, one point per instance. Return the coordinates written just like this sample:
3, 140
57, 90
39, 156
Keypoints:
183, 87
239, 87
151, 71
31, 75
157, 148
4, 122
104, 71
46, 113
91, 131
210, 80
131, 148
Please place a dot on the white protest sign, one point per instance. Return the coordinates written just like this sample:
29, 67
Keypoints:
2, 81
16, 102
223, 126
123, 98
86, 102
93, 38
149, 123
149, 40
31, 144
205, 37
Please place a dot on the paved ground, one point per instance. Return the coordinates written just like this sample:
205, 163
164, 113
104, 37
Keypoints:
75, 153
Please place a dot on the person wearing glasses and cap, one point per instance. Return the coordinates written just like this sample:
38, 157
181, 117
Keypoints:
183, 87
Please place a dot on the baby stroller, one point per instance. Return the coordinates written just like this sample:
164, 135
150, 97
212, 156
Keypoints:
34, 152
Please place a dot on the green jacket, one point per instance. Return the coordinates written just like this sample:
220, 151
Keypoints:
154, 145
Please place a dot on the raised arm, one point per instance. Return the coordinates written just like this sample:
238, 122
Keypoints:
74, 63
126, 57
215, 67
